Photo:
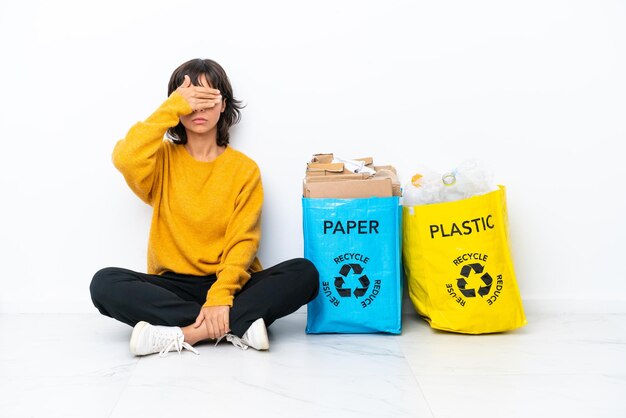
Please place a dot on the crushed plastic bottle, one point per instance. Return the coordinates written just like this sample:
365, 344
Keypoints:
470, 178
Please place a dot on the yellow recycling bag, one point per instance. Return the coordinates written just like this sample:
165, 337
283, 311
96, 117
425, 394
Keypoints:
458, 265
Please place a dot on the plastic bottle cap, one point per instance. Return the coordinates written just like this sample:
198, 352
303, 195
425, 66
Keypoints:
448, 179
415, 180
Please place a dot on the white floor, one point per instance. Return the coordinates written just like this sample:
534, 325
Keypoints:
562, 364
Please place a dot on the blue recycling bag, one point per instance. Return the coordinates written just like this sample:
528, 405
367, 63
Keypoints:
355, 245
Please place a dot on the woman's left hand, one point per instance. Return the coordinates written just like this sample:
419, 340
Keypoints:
215, 319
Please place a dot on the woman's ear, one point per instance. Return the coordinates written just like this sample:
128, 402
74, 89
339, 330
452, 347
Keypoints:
223, 106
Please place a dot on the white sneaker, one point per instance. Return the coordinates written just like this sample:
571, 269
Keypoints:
255, 337
150, 339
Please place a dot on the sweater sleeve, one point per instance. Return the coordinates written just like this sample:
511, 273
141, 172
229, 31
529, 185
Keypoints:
138, 155
243, 234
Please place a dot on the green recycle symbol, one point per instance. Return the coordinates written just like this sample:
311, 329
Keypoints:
462, 283
340, 281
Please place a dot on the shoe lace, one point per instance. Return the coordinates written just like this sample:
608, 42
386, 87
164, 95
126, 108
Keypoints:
235, 340
170, 341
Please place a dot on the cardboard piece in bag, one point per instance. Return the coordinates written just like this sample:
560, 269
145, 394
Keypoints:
320, 177
327, 179
324, 169
323, 158
349, 189
329, 158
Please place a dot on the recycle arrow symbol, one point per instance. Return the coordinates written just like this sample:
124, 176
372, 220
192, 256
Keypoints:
484, 290
462, 283
467, 269
345, 269
360, 291
468, 293
339, 282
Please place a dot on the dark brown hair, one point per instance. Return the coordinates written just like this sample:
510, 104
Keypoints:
216, 76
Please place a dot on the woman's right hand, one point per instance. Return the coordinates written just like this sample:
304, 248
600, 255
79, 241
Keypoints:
199, 97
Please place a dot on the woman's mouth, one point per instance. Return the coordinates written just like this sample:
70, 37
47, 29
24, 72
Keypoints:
198, 121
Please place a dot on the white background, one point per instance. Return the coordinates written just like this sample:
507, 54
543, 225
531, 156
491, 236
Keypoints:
536, 89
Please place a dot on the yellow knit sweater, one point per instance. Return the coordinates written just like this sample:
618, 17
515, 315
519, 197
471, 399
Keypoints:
206, 215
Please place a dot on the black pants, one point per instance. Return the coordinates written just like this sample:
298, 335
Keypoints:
176, 299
